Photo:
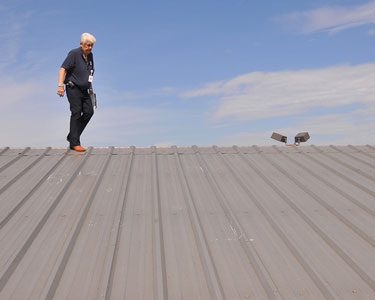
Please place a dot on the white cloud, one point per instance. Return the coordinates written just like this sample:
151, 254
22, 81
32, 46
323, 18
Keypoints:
332, 19
107, 117
33, 115
165, 144
212, 88
45, 122
116, 125
12, 27
288, 94
167, 89
260, 95
356, 128
248, 138
143, 94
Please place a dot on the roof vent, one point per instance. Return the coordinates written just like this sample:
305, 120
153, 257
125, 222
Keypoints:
279, 137
301, 137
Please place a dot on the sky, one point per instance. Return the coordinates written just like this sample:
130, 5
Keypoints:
207, 72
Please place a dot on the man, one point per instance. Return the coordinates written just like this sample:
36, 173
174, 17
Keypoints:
76, 73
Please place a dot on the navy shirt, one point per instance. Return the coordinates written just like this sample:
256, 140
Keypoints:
77, 70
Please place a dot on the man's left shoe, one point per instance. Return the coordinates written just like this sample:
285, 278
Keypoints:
78, 148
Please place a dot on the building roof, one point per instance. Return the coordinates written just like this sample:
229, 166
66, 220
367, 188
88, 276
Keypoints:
188, 223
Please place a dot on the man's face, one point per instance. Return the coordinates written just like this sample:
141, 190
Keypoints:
86, 48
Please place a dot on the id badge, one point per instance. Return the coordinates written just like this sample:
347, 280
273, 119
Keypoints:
91, 78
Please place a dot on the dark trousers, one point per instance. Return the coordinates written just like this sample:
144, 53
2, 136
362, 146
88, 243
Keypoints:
81, 113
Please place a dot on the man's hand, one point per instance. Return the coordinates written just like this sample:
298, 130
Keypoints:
60, 91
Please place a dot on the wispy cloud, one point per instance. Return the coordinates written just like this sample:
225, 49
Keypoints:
117, 125
29, 116
260, 95
331, 19
44, 121
335, 104
165, 144
340, 129
12, 27
139, 95
33, 115
15, 93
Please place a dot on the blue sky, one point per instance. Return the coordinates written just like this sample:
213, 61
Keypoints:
202, 72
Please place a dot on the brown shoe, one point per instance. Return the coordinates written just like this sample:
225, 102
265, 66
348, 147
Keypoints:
78, 148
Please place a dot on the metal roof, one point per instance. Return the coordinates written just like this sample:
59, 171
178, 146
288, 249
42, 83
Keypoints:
188, 223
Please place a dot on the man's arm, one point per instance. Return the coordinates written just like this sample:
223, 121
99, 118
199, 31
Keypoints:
60, 88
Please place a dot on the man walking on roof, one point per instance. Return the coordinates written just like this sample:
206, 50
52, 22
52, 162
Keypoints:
76, 73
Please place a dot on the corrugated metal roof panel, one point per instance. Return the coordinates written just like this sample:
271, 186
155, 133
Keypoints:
188, 223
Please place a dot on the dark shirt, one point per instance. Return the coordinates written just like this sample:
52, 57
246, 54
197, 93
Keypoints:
77, 70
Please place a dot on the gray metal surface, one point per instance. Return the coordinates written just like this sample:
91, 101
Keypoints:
188, 223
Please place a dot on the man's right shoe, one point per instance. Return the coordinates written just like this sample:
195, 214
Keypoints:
78, 148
